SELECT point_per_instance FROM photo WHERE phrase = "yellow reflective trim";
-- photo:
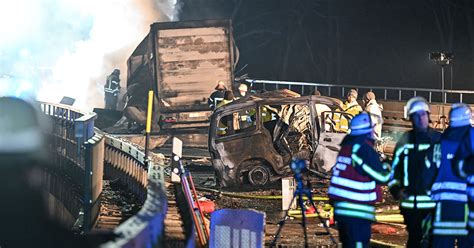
(381, 177)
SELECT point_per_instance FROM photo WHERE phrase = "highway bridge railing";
(82, 156)
(76, 173)
(382, 93)
(126, 162)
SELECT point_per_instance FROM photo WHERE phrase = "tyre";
(259, 175)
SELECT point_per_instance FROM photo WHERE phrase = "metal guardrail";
(77, 153)
(384, 93)
(127, 162)
(80, 152)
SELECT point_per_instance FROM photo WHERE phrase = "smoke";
(58, 48)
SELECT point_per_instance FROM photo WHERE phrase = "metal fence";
(77, 152)
(383, 93)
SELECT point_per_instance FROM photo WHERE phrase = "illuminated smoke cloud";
(68, 47)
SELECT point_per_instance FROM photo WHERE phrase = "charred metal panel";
(190, 61)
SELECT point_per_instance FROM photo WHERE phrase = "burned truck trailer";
(182, 63)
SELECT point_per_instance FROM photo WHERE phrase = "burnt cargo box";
(182, 62)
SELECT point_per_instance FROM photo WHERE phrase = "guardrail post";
(84, 130)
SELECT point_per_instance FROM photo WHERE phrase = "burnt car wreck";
(252, 140)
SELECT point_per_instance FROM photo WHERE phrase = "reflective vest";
(354, 194)
(449, 192)
(342, 123)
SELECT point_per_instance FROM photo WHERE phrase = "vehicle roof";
(284, 96)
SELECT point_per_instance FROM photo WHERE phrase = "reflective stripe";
(355, 206)
(471, 215)
(427, 163)
(461, 169)
(405, 170)
(359, 245)
(357, 214)
(363, 197)
(353, 184)
(343, 159)
(397, 156)
(340, 166)
(422, 147)
(419, 198)
(381, 177)
(355, 148)
(393, 182)
(449, 185)
(449, 196)
(450, 231)
(357, 159)
(449, 224)
(409, 146)
(420, 205)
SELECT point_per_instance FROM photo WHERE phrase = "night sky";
(361, 42)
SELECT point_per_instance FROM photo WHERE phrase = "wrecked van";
(252, 140)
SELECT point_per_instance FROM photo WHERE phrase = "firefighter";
(375, 111)
(448, 190)
(464, 157)
(223, 124)
(243, 88)
(408, 162)
(355, 183)
(350, 106)
(217, 96)
(112, 89)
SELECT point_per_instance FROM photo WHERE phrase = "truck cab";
(253, 140)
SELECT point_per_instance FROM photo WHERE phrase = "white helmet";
(416, 104)
(361, 124)
(460, 115)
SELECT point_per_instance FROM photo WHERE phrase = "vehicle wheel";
(259, 175)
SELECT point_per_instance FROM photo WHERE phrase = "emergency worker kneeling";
(355, 183)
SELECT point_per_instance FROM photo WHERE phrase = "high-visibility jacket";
(407, 166)
(464, 166)
(448, 189)
(342, 122)
(354, 186)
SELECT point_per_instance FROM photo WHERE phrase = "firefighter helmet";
(361, 124)
(460, 115)
(416, 104)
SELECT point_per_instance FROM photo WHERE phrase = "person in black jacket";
(112, 90)
(408, 162)
(217, 96)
